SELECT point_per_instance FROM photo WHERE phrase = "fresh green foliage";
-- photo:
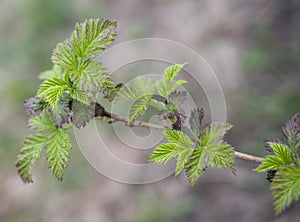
(179, 145)
(76, 54)
(210, 149)
(286, 187)
(58, 152)
(139, 107)
(74, 76)
(284, 161)
(280, 159)
(52, 89)
(79, 95)
(166, 85)
(29, 154)
(66, 98)
(140, 93)
(55, 141)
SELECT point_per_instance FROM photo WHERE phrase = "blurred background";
(254, 49)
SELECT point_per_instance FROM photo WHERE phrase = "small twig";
(245, 156)
(100, 111)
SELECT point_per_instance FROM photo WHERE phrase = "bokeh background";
(253, 47)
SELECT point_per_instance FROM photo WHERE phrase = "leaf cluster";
(142, 93)
(55, 142)
(65, 96)
(208, 148)
(285, 162)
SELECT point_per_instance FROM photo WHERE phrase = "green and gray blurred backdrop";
(254, 49)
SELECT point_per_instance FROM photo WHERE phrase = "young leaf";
(286, 187)
(79, 95)
(194, 166)
(195, 121)
(180, 145)
(215, 132)
(42, 123)
(182, 159)
(127, 92)
(82, 113)
(163, 153)
(267, 146)
(220, 154)
(141, 86)
(139, 107)
(90, 76)
(58, 152)
(165, 86)
(177, 137)
(29, 154)
(34, 106)
(52, 89)
(171, 72)
(281, 158)
(90, 38)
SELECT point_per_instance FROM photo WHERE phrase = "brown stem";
(245, 156)
(100, 111)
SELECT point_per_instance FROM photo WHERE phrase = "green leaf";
(29, 154)
(55, 72)
(171, 72)
(89, 38)
(127, 92)
(80, 95)
(64, 56)
(177, 84)
(42, 123)
(82, 113)
(194, 166)
(270, 163)
(281, 158)
(52, 89)
(91, 76)
(165, 86)
(182, 159)
(139, 107)
(163, 153)
(177, 137)
(141, 87)
(58, 152)
(286, 187)
(215, 132)
(180, 146)
(92, 36)
(282, 151)
(220, 155)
